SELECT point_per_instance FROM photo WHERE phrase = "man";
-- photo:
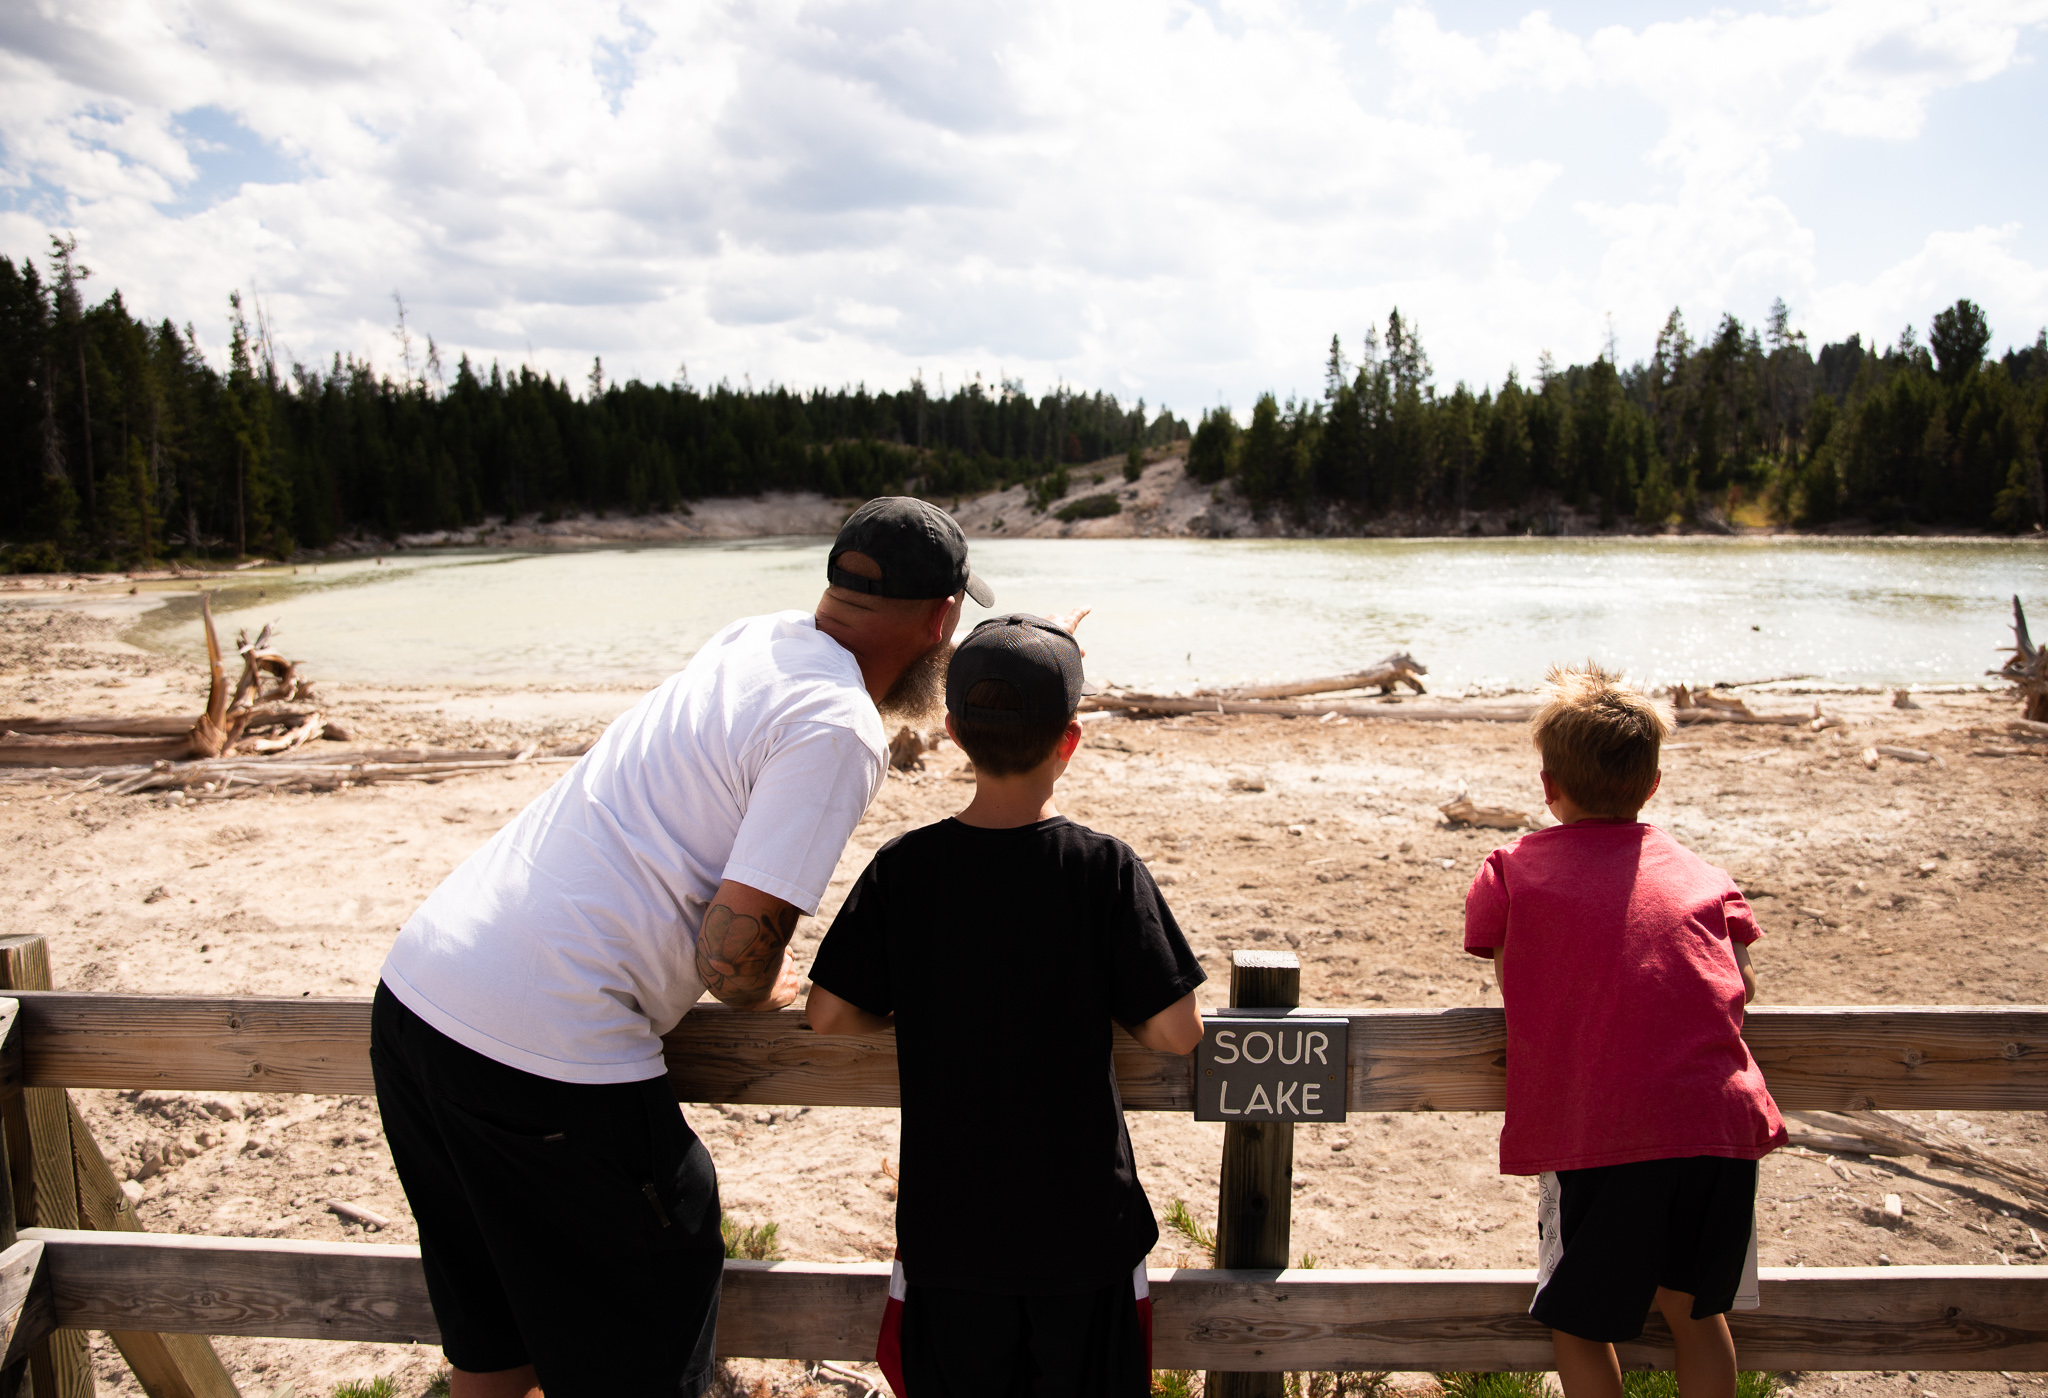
(568, 1216)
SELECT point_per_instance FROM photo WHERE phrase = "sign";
(1271, 1068)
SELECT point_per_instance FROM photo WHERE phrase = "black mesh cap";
(920, 548)
(1036, 658)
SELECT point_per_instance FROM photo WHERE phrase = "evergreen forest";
(1736, 427)
(120, 443)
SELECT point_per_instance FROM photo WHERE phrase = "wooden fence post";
(1255, 1202)
(45, 1189)
(61, 1180)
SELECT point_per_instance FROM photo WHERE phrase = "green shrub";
(1090, 507)
(1176, 1383)
(379, 1387)
(756, 1243)
(1046, 489)
(40, 557)
(1134, 462)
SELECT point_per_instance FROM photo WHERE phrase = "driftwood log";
(1463, 811)
(2027, 669)
(1397, 669)
(1705, 706)
(1344, 708)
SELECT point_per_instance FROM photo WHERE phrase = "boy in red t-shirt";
(1624, 967)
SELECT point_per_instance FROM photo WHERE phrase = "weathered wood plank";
(1812, 1318)
(1829, 1058)
(25, 1315)
(197, 1043)
(178, 1283)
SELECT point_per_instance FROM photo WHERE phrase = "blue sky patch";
(227, 155)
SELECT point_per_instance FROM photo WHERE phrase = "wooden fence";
(78, 1262)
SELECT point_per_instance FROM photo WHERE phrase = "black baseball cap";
(920, 548)
(1037, 658)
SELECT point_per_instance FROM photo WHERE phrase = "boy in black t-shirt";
(1000, 944)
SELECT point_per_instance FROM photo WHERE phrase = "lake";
(1483, 615)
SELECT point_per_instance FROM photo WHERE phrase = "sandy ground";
(1913, 884)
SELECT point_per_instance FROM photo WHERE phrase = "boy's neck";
(1006, 803)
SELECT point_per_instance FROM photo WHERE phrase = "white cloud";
(1152, 196)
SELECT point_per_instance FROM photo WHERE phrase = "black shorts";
(570, 1226)
(981, 1344)
(1680, 1224)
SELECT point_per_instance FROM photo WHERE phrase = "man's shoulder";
(781, 669)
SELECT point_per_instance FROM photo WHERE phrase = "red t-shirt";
(1624, 1002)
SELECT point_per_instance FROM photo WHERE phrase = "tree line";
(1734, 426)
(121, 443)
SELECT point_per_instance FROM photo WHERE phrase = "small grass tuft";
(1348, 1383)
(1188, 1226)
(1492, 1385)
(1662, 1383)
(1176, 1383)
(379, 1387)
(756, 1243)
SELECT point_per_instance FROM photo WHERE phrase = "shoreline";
(1163, 503)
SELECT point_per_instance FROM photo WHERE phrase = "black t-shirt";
(1004, 955)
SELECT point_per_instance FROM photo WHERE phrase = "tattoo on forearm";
(738, 956)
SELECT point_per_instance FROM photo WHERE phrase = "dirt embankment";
(1910, 884)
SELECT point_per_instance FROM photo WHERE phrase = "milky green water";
(1171, 614)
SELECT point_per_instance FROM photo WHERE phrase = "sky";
(1173, 199)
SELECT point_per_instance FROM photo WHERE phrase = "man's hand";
(828, 1014)
(1068, 621)
(742, 951)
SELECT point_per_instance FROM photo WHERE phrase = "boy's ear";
(1069, 741)
(950, 733)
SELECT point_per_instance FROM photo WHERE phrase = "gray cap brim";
(978, 590)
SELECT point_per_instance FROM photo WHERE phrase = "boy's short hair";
(1599, 739)
(1005, 749)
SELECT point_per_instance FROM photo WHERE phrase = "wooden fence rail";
(160, 1292)
(1835, 1059)
(1243, 1321)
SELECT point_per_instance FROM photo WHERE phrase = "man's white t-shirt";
(565, 946)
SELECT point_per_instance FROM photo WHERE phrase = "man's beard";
(918, 697)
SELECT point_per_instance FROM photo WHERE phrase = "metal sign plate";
(1271, 1068)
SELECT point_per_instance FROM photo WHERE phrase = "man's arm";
(743, 948)
(829, 1014)
(1748, 976)
(1175, 1029)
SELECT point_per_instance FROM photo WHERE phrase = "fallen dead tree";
(1879, 1134)
(2027, 669)
(1175, 704)
(255, 716)
(1704, 706)
(228, 778)
(1397, 669)
(221, 778)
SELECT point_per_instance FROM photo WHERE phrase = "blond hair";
(1599, 739)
